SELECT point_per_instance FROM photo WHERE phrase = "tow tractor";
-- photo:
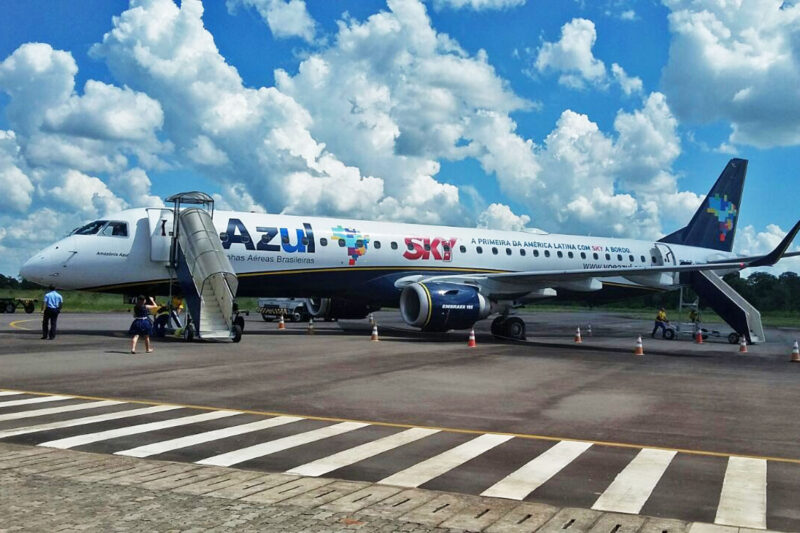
(10, 305)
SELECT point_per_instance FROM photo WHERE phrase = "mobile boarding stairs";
(203, 271)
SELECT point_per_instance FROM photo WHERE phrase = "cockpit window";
(91, 228)
(115, 229)
(105, 228)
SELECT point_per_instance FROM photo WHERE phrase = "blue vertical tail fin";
(714, 223)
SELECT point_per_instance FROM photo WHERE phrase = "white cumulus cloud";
(739, 63)
(500, 216)
(285, 18)
(477, 5)
(572, 57)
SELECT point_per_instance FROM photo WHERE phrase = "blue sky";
(609, 118)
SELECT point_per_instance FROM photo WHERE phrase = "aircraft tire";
(514, 327)
(237, 333)
(497, 326)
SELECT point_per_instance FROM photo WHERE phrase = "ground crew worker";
(661, 322)
(694, 316)
(51, 307)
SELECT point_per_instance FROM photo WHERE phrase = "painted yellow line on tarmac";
(438, 428)
(16, 324)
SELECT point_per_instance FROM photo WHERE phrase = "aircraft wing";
(548, 278)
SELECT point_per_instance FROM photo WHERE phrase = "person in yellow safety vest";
(694, 316)
(161, 320)
(661, 322)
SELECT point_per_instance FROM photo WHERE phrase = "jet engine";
(335, 308)
(442, 306)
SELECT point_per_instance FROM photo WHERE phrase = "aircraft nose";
(41, 268)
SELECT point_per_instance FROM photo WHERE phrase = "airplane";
(441, 278)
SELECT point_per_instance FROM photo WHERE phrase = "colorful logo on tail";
(355, 242)
(725, 212)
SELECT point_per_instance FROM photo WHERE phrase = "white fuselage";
(313, 256)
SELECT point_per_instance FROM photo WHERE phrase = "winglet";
(775, 255)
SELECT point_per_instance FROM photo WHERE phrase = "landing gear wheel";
(497, 326)
(237, 333)
(733, 338)
(668, 334)
(514, 327)
(188, 333)
(29, 308)
(239, 321)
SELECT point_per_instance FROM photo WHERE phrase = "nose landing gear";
(509, 327)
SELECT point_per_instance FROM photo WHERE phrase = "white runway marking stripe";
(517, 485)
(273, 446)
(359, 453)
(436, 466)
(27, 401)
(10, 393)
(88, 438)
(55, 410)
(632, 487)
(207, 436)
(743, 501)
(86, 420)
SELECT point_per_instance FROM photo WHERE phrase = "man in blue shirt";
(51, 307)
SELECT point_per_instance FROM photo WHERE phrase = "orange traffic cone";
(281, 323)
(742, 344)
(795, 353)
(578, 339)
(588, 330)
(698, 337)
(374, 336)
(639, 350)
(471, 342)
(310, 329)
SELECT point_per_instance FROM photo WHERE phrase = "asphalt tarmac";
(693, 432)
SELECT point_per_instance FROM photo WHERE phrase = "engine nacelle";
(330, 308)
(442, 306)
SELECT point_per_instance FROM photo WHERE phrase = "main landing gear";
(509, 327)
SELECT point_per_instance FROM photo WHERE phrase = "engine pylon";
(639, 349)
(578, 339)
(281, 323)
(471, 342)
(795, 353)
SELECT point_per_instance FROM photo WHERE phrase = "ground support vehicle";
(292, 309)
(689, 330)
(10, 305)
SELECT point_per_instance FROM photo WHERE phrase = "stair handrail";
(206, 259)
(749, 309)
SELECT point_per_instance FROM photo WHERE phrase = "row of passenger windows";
(463, 249)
